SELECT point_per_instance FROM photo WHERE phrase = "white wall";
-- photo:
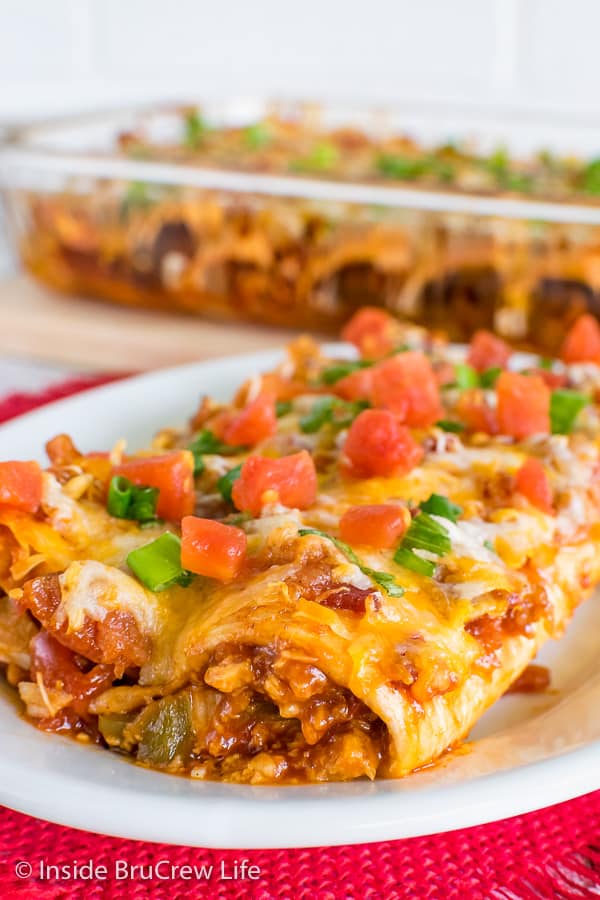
(537, 57)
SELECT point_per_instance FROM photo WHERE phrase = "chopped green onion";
(401, 167)
(519, 181)
(489, 546)
(565, 406)
(465, 376)
(136, 197)
(319, 415)
(383, 579)
(283, 407)
(546, 363)
(489, 378)
(424, 533)
(158, 564)
(208, 443)
(120, 490)
(443, 170)
(409, 560)
(225, 482)
(131, 501)
(195, 129)
(331, 411)
(591, 177)
(143, 504)
(323, 156)
(450, 425)
(438, 505)
(257, 135)
(498, 163)
(345, 367)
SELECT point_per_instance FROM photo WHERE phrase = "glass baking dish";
(117, 206)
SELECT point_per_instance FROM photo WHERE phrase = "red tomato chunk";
(532, 482)
(355, 386)
(407, 385)
(255, 423)
(378, 525)
(173, 475)
(523, 405)
(21, 485)
(211, 548)
(582, 343)
(289, 480)
(488, 351)
(378, 444)
(372, 331)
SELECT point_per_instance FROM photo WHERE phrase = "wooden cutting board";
(89, 334)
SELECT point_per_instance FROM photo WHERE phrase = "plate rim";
(157, 815)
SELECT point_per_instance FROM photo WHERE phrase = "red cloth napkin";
(554, 853)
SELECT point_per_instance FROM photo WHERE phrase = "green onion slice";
(438, 505)
(427, 534)
(283, 407)
(565, 406)
(208, 443)
(195, 129)
(158, 564)
(383, 579)
(119, 496)
(465, 376)
(331, 411)
(409, 560)
(345, 367)
(257, 135)
(143, 504)
(450, 425)
(226, 482)
(489, 378)
(131, 501)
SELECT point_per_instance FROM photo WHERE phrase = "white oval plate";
(527, 752)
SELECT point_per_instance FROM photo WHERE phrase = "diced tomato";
(371, 330)
(406, 384)
(523, 405)
(554, 380)
(445, 373)
(380, 525)
(475, 413)
(487, 351)
(58, 668)
(255, 423)
(289, 480)
(21, 485)
(355, 386)
(532, 482)
(211, 548)
(378, 444)
(173, 475)
(582, 343)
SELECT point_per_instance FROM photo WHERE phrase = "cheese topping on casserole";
(330, 577)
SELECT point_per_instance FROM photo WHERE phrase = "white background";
(535, 56)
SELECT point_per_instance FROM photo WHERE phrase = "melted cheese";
(90, 590)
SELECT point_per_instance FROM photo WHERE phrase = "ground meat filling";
(258, 715)
(520, 618)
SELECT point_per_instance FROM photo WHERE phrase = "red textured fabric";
(554, 853)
